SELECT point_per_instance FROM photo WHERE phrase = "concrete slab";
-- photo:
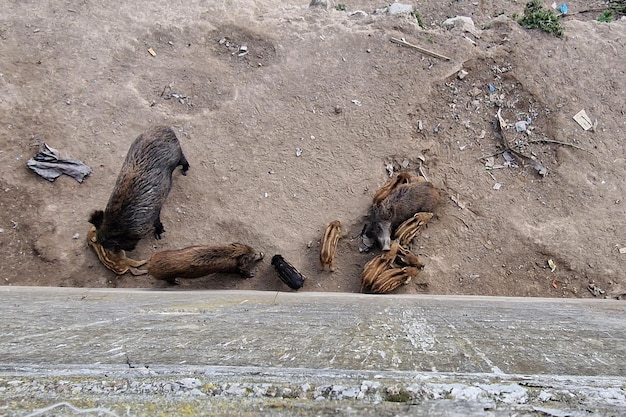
(247, 350)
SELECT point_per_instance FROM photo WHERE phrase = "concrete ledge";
(245, 352)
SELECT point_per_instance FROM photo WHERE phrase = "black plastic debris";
(48, 164)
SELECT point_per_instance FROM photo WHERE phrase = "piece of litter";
(583, 120)
(563, 8)
(151, 52)
(497, 186)
(492, 88)
(555, 284)
(266, 195)
(298, 151)
(521, 126)
(405, 164)
(357, 102)
(389, 169)
(595, 290)
(76, 235)
(552, 265)
(462, 74)
(48, 164)
(622, 250)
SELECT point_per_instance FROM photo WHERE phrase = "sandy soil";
(78, 76)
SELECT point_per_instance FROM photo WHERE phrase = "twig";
(422, 50)
(555, 142)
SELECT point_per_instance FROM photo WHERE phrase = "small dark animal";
(288, 273)
(134, 207)
(403, 202)
(198, 261)
(328, 247)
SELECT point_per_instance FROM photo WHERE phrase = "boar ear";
(96, 218)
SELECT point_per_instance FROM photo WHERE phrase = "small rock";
(464, 23)
(399, 8)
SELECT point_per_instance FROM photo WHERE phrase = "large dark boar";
(198, 261)
(403, 202)
(134, 208)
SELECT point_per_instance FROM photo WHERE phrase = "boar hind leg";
(184, 163)
(158, 228)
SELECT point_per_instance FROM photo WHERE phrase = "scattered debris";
(595, 290)
(552, 265)
(356, 102)
(521, 126)
(151, 52)
(584, 120)
(497, 186)
(500, 126)
(462, 74)
(167, 94)
(422, 50)
(49, 165)
(389, 169)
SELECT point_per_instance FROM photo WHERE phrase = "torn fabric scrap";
(49, 165)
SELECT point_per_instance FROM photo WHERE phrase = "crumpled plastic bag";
(49, 164)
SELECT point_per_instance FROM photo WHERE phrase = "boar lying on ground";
(400, 205)
(328, 247)
(198, 261)
(115, 261)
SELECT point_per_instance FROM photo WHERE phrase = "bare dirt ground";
(78, 76)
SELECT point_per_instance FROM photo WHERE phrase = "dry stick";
(422, 50)
(555, 142)
(534, 141)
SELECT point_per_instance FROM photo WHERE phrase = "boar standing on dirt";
(134, 208)
(199, 261)
(403, 202)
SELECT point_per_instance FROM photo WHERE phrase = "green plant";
(606, 16)
(618, 6)
(537, 17)
(418, 16)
